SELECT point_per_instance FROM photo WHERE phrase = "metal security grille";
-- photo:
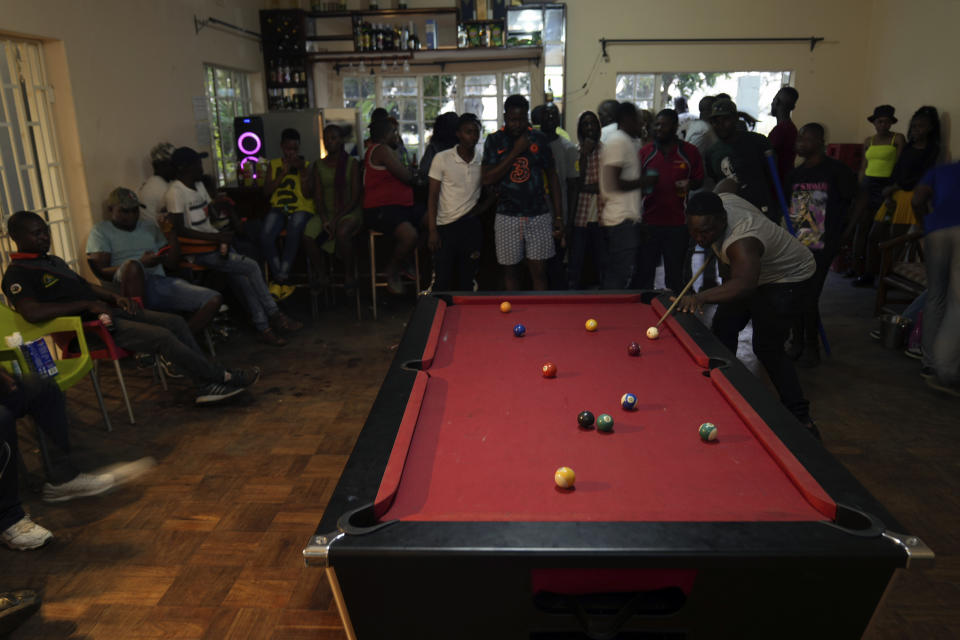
(31, 174)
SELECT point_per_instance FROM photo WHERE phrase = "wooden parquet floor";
(208, 544)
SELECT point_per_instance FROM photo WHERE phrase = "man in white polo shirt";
(620, 184)
(455, 231)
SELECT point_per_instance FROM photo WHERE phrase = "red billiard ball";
(633, 349)
(549, 370)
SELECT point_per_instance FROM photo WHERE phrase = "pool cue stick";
(684, 290)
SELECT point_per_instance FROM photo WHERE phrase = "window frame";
(225, 160)
(425, 128)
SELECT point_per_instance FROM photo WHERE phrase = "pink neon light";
(256, 138)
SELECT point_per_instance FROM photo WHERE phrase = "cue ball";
(653, 333)
(591, 325)
(585, 419)
(505, 307)
(708, 432)
(633, 349)
(549, 370)
(628, 401)
(519, 330)
(564, 477)
(605, 422)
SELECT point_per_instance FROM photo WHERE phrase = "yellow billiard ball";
(505, 307)
(565, 477)
(591, 325)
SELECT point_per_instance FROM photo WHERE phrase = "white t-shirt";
(784, 258)
(620, 150)
(153, 194)
(460, 184)
(192, 203)
(606, 130)
(565, 156)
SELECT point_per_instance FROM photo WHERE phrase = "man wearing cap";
(154, 190)
(740, 155)
(770, 273)
(42, 287)
(187, 201)
(132, 252)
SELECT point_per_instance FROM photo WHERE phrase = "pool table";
(447, 522)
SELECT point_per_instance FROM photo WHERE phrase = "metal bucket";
(894, 331)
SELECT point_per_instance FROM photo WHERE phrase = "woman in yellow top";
(289, 186)
(336, 179)
(880, 153)
(896, 216)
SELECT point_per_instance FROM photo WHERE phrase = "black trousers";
(669, 243)
(458, 259)
(774, 310)
(45, 403)
(806, 329)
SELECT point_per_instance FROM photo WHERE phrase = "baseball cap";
(124, 199)
(723, 107)
(162, 152)
(185, 155)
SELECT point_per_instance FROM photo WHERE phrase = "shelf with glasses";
(384, 13)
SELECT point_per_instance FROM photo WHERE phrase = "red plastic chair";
(110, 351)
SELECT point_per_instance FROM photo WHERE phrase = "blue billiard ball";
(628, 401)
(519, 330)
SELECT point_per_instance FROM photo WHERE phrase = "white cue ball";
(653, 333)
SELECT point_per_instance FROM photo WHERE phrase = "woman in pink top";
(388, 198)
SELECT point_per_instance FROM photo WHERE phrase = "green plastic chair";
(69, 371)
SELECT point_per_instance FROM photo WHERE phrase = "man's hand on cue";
(690, 304)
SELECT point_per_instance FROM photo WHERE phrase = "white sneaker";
(82, 486)
(26, 534)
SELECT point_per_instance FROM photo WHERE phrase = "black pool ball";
(585, 419)
(633, 349)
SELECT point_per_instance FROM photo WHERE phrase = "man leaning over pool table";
(769, 273)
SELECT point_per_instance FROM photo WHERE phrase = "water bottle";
(15, 341)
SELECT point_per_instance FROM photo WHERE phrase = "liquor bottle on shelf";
(413, 43)
(404, 38)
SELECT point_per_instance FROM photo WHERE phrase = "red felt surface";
(491, 430)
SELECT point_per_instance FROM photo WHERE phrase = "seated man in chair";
(42, 287)
(132, 252)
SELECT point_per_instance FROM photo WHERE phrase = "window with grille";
(31, 173)
(416, 100)
(228, 96)
(753, 91)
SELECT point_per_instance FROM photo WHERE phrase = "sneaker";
(284, 322)
(276, 290)
(915, 352)
(927, 373)
(15, 608)
(875, 334)
(267, 336)
(168, 369)
(145, 360)
(217, 392)
(82, 486)
(244, 377)
(934, 383)
(395, 285)
(25, 534)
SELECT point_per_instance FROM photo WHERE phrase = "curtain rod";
(199, 24)
(813, 40)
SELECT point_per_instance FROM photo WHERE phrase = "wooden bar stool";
(380, 279)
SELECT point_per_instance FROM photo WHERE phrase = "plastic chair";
(71, 369)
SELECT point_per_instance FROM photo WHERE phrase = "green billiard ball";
(605, 422)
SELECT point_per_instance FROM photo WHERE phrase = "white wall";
(125, 73)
